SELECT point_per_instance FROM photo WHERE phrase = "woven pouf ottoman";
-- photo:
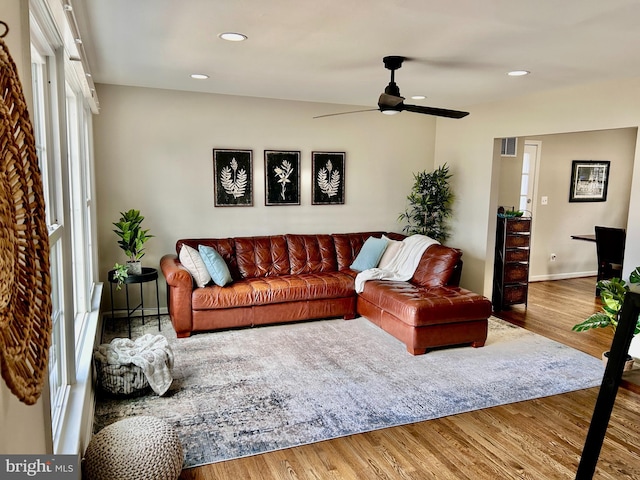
(136, 448)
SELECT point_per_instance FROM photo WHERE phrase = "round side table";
(148, 275)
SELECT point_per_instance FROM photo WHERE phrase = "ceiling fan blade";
(346, 113)
(438, 112)
(387, 100)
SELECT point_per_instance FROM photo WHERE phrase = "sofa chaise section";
(428, 311)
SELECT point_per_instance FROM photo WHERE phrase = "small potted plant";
(132, 238)
(120, 273)
(612, 293)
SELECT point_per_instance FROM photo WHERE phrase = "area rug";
(242, 392)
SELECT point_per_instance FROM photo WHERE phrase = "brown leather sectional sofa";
(284, 278)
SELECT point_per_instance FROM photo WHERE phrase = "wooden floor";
(536, 440)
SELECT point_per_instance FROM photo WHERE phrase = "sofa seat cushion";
(275, 289)
(420, 306)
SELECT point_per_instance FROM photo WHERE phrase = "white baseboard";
(561, 276)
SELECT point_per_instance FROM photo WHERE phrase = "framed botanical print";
(232, 178)
(328, 182)
(281, 177)
(589, 180)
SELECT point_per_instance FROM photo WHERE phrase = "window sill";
(76, 425)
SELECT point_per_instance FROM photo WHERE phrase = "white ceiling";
(331, 50)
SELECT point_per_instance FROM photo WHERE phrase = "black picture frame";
(281, 177)
(232, 177)
(328, 178)
(589, 180)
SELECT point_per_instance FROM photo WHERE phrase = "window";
(509, 147)
(62, 129)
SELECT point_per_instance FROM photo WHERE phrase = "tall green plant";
(430, 203)
(132, 236)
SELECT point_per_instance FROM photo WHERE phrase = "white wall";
(153, 151)
(467, 145)
(23, 429)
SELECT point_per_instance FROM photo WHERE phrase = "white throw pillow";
(192, 261)
(393, 248)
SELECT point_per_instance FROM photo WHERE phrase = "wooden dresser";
(511, 265)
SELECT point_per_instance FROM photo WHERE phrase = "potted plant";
(120, 273)
(430, 203)
(132, 238)
(612, 293)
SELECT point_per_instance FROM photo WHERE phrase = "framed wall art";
(281, 177)
(233, 178)
(589, 180)
(328, 182)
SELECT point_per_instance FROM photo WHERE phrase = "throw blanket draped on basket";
(151, 353)
(402, 266)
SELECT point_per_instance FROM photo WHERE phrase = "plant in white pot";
(132, 238)
(612, 293)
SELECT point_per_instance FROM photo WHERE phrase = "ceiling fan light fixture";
(233, 36)
(390, 112)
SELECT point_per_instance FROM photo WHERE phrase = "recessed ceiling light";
(199, 76)
(518, 73)
(232, 36)
(418, 97)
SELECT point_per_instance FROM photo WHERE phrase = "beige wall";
(468, 145)
(23, 429)
(153, 151)
(510, 169)
(555, 222)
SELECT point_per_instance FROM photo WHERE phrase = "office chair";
(610, 251)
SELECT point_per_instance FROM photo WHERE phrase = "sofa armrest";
(179, 290)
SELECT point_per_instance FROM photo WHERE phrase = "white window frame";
(62, 123)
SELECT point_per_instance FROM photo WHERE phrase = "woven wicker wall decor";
(25, 288)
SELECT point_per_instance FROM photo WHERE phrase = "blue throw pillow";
(216, 265)
(370, 254)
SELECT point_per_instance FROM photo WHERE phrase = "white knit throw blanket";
(402, 266)
(151, 353)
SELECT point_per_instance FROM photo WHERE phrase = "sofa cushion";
(226, 247)
(311, 254)
(419, 306)
(216, 265)
(393, 248)
(274, 289)
(262, 256)
(192, 261)
(370, 254)
(436, 266)
(348, 246)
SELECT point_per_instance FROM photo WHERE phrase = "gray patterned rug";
(243, 392)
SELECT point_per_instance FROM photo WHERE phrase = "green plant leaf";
(597, 320)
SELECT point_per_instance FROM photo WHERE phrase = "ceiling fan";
(390, 101)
